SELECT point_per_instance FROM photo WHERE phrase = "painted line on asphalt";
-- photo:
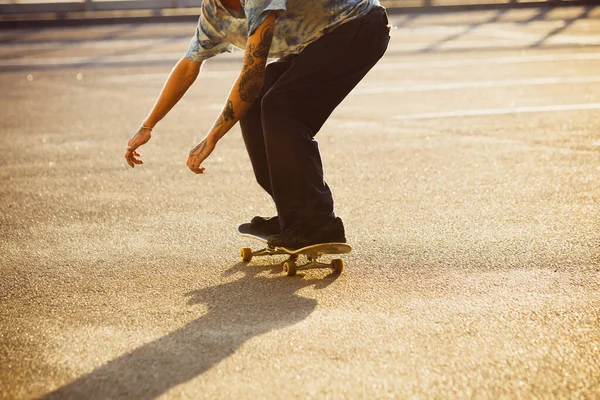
(164, 76)
(497, 44)
(137, 77)
(433, 87)
(510, 31)
(54, 61)
(499, 111)
(483, 40)
(466, 62)
(533, 37)
(94, 44)
(424, 26)
(403, 40)
(385, 66)
(409, 65)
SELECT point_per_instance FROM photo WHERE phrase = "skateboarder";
(323, 49)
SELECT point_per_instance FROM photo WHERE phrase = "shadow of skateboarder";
(237, 311)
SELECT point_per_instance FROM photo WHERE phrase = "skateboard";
(291, 265)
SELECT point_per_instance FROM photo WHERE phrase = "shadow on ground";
(237, 311)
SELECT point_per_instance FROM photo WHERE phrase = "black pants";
(298, 95)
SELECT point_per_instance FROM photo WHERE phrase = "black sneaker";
(265, 226)
(297, 238)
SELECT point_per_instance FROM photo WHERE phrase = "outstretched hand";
(141, 137)
(199, 153)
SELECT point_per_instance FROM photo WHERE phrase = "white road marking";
(533, 37)
(474, 84)
(95, 44)
(384, 66)
(456, 63)
(422, 26)
(485, 38)
(466, 62)
(456, 45)
(42, 61)
(136, 77)
(499, 111)
(403, 40)
(500, 31)
(163, 76)
(408, 65)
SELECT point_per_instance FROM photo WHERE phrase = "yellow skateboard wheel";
(289, 267)
(246, 254)
(337, 265)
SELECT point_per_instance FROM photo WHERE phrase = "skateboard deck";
(291, 266)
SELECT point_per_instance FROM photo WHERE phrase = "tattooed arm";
(243, 93)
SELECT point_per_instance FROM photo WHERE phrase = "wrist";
(213, 137)
(148, 124)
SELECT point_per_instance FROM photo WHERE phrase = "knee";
(280, 116)
(277, 107)
(274, 117)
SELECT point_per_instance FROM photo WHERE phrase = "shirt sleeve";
(209, 38)
(257, 10)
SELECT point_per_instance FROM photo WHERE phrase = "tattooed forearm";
(227, 115)
(199, 148)
(249, 56)
(245, 90)
(250, 83)
(254, 66)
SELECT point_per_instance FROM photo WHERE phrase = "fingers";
(193, 163)
(130, 157)
(199, 170)
(141, 137)
(196, 169)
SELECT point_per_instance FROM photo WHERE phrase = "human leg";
(252, 132)
(252, 129)
(297, 105)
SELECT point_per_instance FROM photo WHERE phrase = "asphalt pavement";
(466, 167)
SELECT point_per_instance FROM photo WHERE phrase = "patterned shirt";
(299, 23)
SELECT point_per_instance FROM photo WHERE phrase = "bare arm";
(181, 78)
(243, 93)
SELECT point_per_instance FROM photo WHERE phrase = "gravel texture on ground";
(474, 220)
